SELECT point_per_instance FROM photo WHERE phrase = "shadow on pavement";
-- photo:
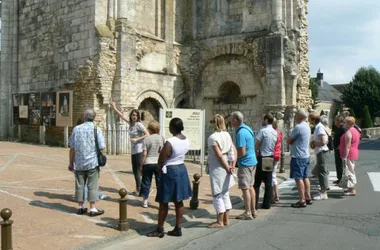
(66, 197)
(54, 206)
(108, 189)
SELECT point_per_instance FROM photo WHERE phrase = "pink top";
(277, 147)
(354, 150)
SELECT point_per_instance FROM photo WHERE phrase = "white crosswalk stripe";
(375, 180)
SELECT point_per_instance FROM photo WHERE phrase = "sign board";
(193, 122)
(194, 127)
(64, 109)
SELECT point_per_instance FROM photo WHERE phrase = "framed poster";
(34, 109)
(64, 108)
(48, 108)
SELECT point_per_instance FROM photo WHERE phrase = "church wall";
(55, 38)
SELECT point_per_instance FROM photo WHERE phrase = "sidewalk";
(36, 185)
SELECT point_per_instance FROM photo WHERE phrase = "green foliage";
(367, 121)
(363, 90)
(313, 86)
(352, 113)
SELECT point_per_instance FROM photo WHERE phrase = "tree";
(313, 86)
(367, 120)
(363, 90)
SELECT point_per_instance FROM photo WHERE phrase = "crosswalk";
(289, 186)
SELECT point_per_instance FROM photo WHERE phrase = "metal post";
(6, 229)
(194, 202)
(282, 168)
(123, 221)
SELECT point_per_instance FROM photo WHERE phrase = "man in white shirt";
(265, 142)
(319, 143)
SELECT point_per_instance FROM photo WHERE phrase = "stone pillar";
(275, 86)
(9, 64)
(169, 33)
(277, 21)
(123, 8)
(111, 9)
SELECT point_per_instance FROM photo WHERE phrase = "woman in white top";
(174, 185)
(137, 133)
(221, 162)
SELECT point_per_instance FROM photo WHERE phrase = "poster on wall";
(26, 108)
(64, 109)
(48, 108)
(34, 109)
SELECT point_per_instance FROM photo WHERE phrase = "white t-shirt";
(320, 130)
(268, 139)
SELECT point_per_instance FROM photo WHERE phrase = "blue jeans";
(147, 175)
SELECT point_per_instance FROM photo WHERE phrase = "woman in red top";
(349, 152)
(276, 156)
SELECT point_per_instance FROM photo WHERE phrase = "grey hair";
(238, 116)
(302, 112)
(89, 115)
(324, 120)
(339, 118)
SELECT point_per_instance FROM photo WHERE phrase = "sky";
(344, 35)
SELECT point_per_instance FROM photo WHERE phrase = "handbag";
(346, 181)
(267, 164)
(102, 159)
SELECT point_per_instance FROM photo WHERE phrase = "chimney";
(320, 78)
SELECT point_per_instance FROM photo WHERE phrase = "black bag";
(330, 143)
(102, 159)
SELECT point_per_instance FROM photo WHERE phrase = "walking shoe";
(320, 196)
(96, 213)
(103, 197)
(82, 211)
(244, 216)
(145, 203)
(254, 213)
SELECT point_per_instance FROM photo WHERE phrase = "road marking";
(44, 179)
(375, 180)
(147, 218)
(95, 237)
(9, 162)
(34, 188)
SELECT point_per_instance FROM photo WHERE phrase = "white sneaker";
(145, 203)
(103, 197)
(320, 196)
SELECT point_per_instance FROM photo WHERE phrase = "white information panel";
(194, 126)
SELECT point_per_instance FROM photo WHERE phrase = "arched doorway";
(229, 93)
(150, 110)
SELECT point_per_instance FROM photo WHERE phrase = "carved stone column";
(277, 25)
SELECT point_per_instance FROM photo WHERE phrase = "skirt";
(174, 186)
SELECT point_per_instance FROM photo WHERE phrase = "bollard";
(194, 202)
(6, 229)
(123, 221)
(282, 168)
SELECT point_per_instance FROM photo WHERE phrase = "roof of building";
(328, 93)
(340, 87)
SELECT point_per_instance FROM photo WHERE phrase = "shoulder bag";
(102, 159)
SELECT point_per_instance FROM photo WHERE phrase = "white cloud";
(343, 37)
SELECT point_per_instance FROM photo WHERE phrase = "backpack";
(330, 144)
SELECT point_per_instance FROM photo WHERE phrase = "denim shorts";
(299, 168)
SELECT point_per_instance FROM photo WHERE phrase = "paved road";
(338, 223)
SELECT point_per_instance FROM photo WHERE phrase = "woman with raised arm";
(137, 133)
(174, 185)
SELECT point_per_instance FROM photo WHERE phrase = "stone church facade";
(217, 55)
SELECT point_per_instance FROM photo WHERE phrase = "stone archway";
(150, 110)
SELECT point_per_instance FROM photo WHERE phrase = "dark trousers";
(136, 161)
(266, 177)
(338, 164)
(146, 183)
